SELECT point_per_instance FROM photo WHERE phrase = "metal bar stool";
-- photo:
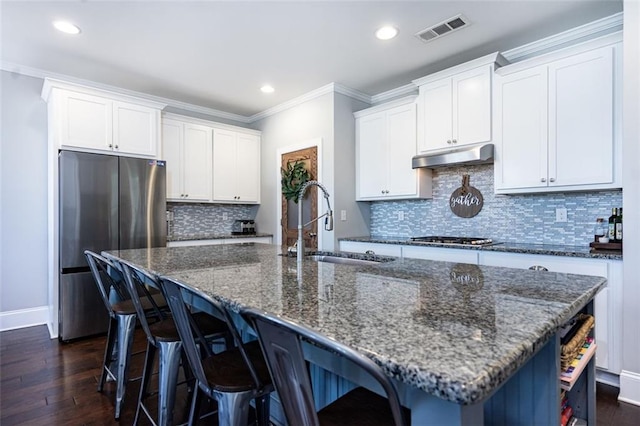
(122, 322)
(233, 377)
(162, 337)
(281, 343)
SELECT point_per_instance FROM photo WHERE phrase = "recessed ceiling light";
(66, 27)
(267, 89)
(387, 33)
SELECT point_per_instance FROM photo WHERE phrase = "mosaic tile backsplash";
(217, 219)
(527, 218)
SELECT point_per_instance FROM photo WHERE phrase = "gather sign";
(466, 201)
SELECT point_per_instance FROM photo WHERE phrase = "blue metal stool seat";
(232, 378)
(122, 322)
(163, 339)
(281, 344)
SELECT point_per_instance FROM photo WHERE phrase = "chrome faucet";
(328, 222)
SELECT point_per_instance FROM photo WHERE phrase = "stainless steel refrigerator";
(106, 203)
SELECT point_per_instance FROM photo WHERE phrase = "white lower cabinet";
(219, 241)
(441, 254)
(608, 320)
(608, 317)
(371, 248)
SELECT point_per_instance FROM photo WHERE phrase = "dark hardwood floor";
(45, 382)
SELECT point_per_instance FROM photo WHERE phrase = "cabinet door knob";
(186, 195)
(116, 147)
(552, 180)
(543, 180)
(449, 141)
(110, 145)
(454, 141)
(382, 192)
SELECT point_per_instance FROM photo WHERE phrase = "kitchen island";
(466, 344)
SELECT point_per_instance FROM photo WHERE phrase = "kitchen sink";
(344, 260)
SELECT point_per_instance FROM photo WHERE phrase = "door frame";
(317, 143)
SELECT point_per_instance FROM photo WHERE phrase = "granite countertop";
(543, 249)
(455, 331)
(212, 236)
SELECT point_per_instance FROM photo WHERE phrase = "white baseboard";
(22, 318)
(629, 387)
(607, 378)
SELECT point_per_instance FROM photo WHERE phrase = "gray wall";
(357, 222)
(23, 193)
(309, 120)
(329, 117)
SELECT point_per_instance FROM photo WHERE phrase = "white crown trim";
(406, 90)
(605, 25)
(328, 88)
(38, 73)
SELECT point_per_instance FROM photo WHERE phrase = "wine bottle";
(612, 224)
(618, 225)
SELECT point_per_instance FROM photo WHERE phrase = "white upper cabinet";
(236, 167)
(187, 147)
(556, 124)
(135, 129)
(454, 106)
(385, 145)
(210, 162)
(98, 121)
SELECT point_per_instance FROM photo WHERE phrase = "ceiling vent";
(445, 27)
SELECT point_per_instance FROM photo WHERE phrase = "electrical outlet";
(225, 216)
(400, 214)
(343, 215)
(561, 214)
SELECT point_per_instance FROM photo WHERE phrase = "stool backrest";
(108, 278)
(174, 293)
(134, 278)
(281, 344)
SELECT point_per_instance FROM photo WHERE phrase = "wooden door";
(309, 203)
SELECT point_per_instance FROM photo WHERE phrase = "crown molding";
(328, 88)
(406, 90)
(590, 30)
(38, 73)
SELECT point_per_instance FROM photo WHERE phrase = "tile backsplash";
(527, 218)
(210, 219)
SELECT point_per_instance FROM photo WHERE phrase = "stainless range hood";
(478, 154)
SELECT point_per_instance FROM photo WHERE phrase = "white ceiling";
(218, 54)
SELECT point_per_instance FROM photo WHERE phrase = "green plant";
(293, 177)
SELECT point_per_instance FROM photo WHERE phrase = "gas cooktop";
(457, 241)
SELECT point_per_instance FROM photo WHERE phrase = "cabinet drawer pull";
(538, 268)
